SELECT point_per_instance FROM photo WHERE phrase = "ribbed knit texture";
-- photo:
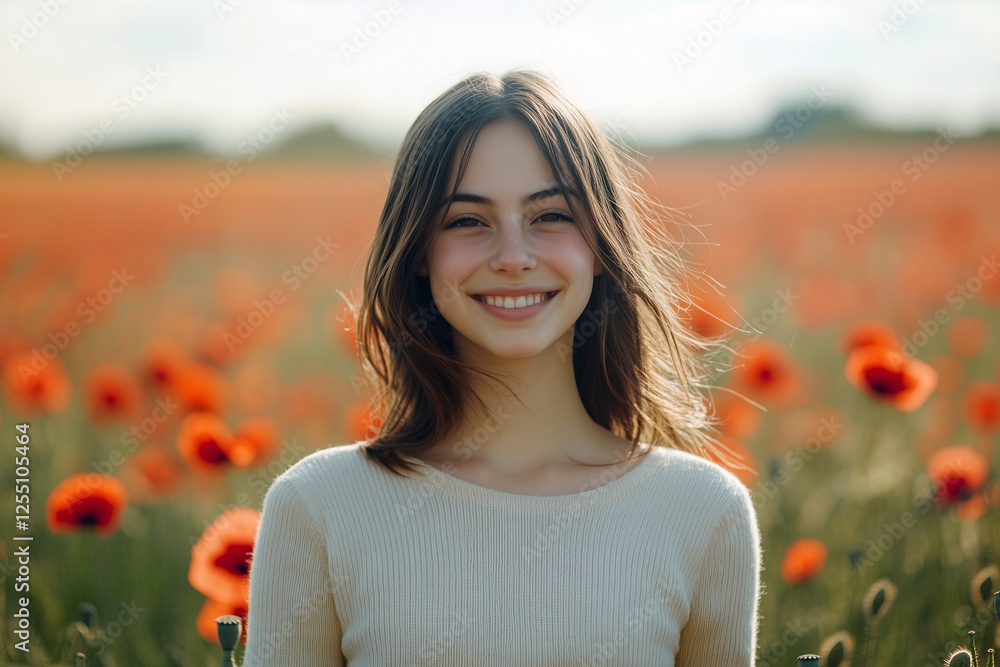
(356, 566)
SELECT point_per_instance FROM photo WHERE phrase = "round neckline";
(454, 486)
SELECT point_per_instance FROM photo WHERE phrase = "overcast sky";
(667, 70)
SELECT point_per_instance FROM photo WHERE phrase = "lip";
(516, 291)
(515, 314)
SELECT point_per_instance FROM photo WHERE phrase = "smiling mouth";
(499, 301)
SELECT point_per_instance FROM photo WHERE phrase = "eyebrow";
(486, 201)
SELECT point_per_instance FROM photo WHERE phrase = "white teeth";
(511, 302)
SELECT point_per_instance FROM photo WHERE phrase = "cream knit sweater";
(355, 566)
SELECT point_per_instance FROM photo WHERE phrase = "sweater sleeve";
(291, 615)
(721, 630)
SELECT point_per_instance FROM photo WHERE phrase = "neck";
(547, 425)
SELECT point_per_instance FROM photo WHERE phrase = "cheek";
(572, 257)
(449, 267)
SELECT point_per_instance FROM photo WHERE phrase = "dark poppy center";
(886, 382)
(209, 450)
(955, 488)
(989, 412)
(234, 559)
(87, 512)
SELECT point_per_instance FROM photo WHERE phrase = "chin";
(513, 351)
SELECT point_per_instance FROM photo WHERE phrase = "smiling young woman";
(537, 492)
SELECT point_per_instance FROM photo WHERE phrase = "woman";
(535, 494)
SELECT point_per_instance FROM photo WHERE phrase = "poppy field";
(173, 337)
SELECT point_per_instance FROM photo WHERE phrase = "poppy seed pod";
(960, 658)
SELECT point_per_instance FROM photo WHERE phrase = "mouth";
(518, 301)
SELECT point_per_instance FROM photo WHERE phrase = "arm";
(291, 618)
(722, 628)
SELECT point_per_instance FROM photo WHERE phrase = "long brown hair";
(637, 368)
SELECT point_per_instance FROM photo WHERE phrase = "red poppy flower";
(875, 332)
(222, 345)
(768, 374)
(36, 383)
(971, 509)
(234, 290)
(737, 417)
(809, 427)
(890, 376)
(981, 407)
(709, 314)
(220, 559)
(803, 560)
(307, 399)
(163, 361)
(967, 336)
(206, 444)
(258, 436)
(362, 420)
(211, 610)
(734, 456)
(957, 473)
(150, 474)
(112, 392)
(200, 387)
(344, 327)
(86, 501)
(255, 387)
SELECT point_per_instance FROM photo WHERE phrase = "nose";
(513, 253)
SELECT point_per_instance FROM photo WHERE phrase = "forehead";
(504, 158)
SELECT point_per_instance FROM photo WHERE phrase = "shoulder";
(322, 477)
(705, 487)
(321, 465)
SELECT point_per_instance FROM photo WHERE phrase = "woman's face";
(505, 232)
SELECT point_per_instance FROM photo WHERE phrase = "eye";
(454, 223)
(557, 214)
